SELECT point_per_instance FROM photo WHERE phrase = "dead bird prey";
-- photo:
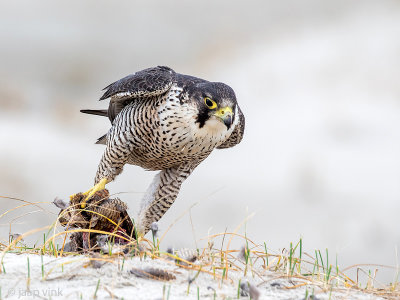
(163, 120)
(100, 213)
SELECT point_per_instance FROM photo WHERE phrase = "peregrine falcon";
(168, 122)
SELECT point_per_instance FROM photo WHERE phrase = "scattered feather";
(312, 297)
(60, 203)
(242, 254)
(171, 251)
(248, 289)
(210, 288)
(101, 240)
(254, 292)
(94, 262)
(244, 289)
(153, 273)
(14, 237)
(154, 228)
(277, 284)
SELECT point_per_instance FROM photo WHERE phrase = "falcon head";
(216, 104)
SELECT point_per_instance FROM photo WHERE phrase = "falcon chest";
(172, 136)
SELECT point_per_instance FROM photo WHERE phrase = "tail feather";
(102, 140)
(98, 112)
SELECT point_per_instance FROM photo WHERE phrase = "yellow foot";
(98, 187)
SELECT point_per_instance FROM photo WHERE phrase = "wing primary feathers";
(97, 112)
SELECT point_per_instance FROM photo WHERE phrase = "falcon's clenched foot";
(166, 121)
(97, 187)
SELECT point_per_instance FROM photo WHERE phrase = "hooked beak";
(225, 114)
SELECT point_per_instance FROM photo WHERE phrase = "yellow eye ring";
(210, 103)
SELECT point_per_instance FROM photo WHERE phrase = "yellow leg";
(98, 187)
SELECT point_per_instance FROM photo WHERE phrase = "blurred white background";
(318, 82)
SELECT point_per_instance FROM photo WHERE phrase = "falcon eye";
(210, 103)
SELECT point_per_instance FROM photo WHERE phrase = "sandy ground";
(78, 279)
